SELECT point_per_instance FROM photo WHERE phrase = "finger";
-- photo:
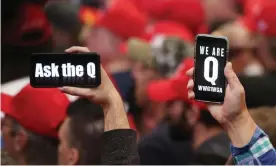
(77, 49)
(190, 72)
(190, 84)
(191, 94)
(82, 92)
(231, 76)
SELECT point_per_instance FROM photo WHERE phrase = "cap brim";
(161, 91)
(6, 103)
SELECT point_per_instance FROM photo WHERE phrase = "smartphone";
(50, 70)
(211, 54)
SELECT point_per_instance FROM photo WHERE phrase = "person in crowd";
(119, 142)
(153, 35)
(249, 143)
(167, 143)
(191, 123)
(263, 24)
(6, 159)
(80, 134)
(242, 48)
(29, 128)
(22, 36)
(150, 63)
(109, 31)
(65, 23)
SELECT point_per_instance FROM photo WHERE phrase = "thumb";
(231, 76)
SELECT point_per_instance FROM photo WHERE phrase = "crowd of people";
(144, 111)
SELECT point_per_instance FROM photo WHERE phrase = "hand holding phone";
(106, 95)
(211, 54)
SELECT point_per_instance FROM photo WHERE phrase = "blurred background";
(142, 44)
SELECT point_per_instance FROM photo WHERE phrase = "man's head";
(172, 91)
(110, 28)
(104, 42)
(30, 124)
(25, 146)
(65, 22)
(80, 134)
(242, 49)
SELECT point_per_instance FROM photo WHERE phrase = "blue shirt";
(124, 82)
(259, 151)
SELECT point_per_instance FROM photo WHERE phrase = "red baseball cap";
(168, 28)
(247, 23)
(123, 19)
(173, 88)
(38, 110)
(32, 19)
(260, 16)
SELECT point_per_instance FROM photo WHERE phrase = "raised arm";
(119, 141)
(250, 145)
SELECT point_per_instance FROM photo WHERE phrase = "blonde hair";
(237, 34)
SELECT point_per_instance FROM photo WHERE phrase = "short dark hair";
(86, 127)
(39, 150)
(207, 119)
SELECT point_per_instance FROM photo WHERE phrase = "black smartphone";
(211, 54)
(49, 70)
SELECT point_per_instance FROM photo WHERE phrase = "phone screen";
(57, 70)
(211, 54)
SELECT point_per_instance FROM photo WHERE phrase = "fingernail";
(230, 65)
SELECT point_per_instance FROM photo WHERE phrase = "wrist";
(237, 120)
(240, 129)
(113, 100)
(114, 112)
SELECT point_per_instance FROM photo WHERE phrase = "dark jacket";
(120, 148)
